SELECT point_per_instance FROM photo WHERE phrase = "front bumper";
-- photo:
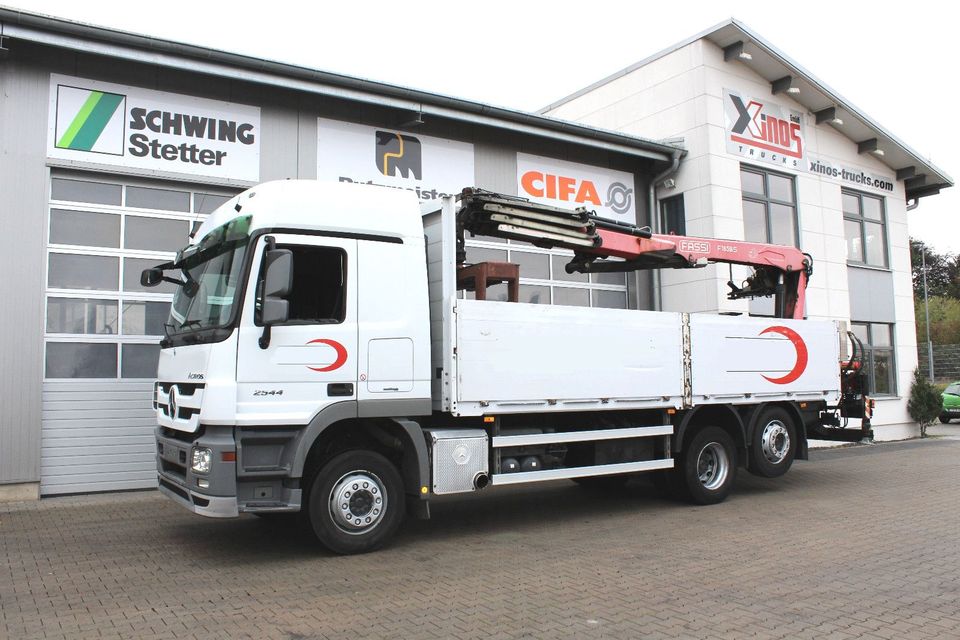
(210, 506)
(249, 472)
(211, 494)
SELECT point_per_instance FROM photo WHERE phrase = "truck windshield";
(210, 275)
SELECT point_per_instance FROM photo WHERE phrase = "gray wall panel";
(279, 138)
(24, 184)
(307, 149)
(871, 295)
(495, 167)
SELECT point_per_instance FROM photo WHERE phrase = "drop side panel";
(516, 357)
(739, 359)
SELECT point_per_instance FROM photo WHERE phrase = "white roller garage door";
(103, 328)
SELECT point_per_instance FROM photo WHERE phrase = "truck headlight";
(201, 460)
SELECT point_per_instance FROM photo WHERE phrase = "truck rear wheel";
(774, 444)
(707, 469)
(356, 502)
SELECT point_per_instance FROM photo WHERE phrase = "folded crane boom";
(603, 245)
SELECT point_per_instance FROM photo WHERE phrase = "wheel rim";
(775, 442)
(358, 502)
(713, 466)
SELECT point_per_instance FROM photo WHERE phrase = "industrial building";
(115, 145)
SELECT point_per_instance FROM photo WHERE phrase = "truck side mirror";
(274, 311)
(277, 285)
(278, 274)
(151, 277)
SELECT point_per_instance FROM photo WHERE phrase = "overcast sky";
(898, 63)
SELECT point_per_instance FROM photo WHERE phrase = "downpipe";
(653, 206)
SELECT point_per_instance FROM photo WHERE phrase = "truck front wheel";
(774, 444)
(356, 502)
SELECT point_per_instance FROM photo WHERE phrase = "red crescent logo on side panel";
(800, 366)
(341, 354)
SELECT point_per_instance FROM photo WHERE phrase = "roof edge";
(831, 94)
(636, 65)
(142, 43)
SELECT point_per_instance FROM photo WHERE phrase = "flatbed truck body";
(324, 358)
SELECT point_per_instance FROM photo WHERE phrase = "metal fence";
(946, 361)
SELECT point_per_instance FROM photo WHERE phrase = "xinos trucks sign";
(102, 123)
(759, 129)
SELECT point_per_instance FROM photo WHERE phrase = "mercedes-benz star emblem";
(173, 401)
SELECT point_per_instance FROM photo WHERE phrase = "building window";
(877, 339)
(672, 216)
(863, 225)
(543, 276)
(100, 323)
(769, 207)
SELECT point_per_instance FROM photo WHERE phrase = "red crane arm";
(779, 271)
(693, 250)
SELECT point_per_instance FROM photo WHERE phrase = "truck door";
(311, 359)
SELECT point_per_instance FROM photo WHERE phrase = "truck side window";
(319, 285)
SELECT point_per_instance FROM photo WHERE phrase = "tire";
(708, 467)
(356, 502)
(774, 444)
(945, 419)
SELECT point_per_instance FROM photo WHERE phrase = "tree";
(943, 271)
(924, 405)
(944, 320)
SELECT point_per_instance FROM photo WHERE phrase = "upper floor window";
(672, 216)
(863, 226)
(769, 207)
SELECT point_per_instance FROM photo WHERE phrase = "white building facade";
(775, 156)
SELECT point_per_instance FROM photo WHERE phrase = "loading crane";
(603, 245)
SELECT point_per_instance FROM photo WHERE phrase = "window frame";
(869, 357)
(117, 295)
(345, 274)
(680, 213)
(765, 199)
(554, 279)
(862, 221)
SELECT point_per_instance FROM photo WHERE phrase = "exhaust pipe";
(481, 481)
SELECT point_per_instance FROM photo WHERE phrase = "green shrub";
(925, 403)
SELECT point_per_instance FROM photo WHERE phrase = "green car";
(951, 403)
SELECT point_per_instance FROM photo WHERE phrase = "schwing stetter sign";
(759, 129)
(98, 122)
(571, 185)
(428, 166)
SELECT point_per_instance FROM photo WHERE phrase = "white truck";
(329, 351)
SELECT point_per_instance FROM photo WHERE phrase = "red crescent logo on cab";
(801, 364)
(341, 354)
